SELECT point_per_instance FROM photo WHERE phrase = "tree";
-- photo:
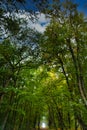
(15, 58)
(43, 74)
(64, 44)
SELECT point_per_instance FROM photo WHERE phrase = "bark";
(50, 117)
(1, 97)
(5, 121)
(69, 121)
(39, 122)
(78, 78)
(60, 116)
(20, 123)
(81, 122)
(76, 127)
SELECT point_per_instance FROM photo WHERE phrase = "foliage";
(43, 74)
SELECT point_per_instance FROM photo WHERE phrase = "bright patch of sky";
(44, 122)
(41, 23)
(43, 125)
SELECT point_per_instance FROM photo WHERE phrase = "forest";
(43, 76)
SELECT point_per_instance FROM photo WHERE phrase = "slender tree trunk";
(39, 122)
(79, 87)
(5, 121)
(60, 116)
(69, 121)
(20, 123)
(79, 82)
(76, 127)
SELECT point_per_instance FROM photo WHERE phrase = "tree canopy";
(43, 75)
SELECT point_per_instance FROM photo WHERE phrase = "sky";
(42, 22)
(82, 5)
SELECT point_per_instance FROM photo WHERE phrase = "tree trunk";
(79, 80)
(39, 122)
(5, 121)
